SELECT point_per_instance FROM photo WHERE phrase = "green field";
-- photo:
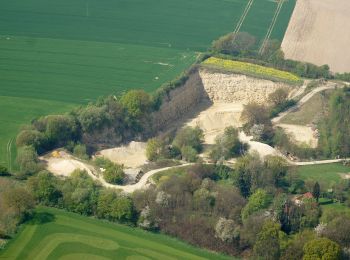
(327, 174)
(57, 234)
(73, 51)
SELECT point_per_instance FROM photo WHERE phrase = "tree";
(189, 154)
(322, 249)
(258, 201)
(31, 138)
(255, 114)
(114, 206)
(60, 129)
(267, 245)
(154, 149)
(226, 230)
(114, 174)
(316, 192)
(189, 136)
(227, 145)
(44, 189)
(27, 159)
(3, 171)
(92, 117)
(136, 102)
(79, 151)
(278, 97)
(20, 200)
(234, 43)
(338, 230)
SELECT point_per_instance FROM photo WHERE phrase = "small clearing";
(301, 134)
(318, 32)
(132, 155)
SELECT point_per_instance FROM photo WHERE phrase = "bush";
(27, 159)
(3, 171)
(79, 151)
(234, 43)
(227, 145)
(189, 136)
(114, 173)
(154, 149)
(189, 154)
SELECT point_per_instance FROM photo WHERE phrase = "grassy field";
(73, 51)
(310, 112)
(57, 234)
(327, 174)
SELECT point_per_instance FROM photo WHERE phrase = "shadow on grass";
(39, 218)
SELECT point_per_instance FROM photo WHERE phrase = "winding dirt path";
(303, 100)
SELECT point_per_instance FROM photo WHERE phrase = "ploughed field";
(56, 234)
(58, 54)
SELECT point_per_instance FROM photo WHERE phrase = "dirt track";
(318, 32)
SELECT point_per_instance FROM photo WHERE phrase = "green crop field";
(72, 51)
(327, 174)
(56, 234)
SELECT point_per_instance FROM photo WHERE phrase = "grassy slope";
(71, 236)
(327, 174)
(75, 51)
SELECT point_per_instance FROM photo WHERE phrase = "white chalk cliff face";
(239, 88)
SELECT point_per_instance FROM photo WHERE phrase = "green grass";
(164, 175)
(58, 234)
(16, 111)
(73, 51)
(327, 174)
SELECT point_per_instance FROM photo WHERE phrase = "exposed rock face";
(204, 85)
(180, 101)
(238, 88)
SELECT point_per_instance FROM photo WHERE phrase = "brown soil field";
(318, 32)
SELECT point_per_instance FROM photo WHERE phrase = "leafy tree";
(92, 117)
(267, 245)
(31, 138)
(44, 189)
(323, 249)
(79, 151)
(20, 200)
(154, 149)
(259, 200)
(276, 169)
(247, 173)
(27, 160)
(316, 191)
(136, 102)
(227, 145)
(294, 249)
(114, 206)
(189, 136)
(338, 230)
(114, 173)
(61, 128)
(79, 193)
(278, 97)
(189, 154)
(3, 171)
(226, 230)
(234, 43)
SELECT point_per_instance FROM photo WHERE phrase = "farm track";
(242, 18)
(272, 26)
(9, 154)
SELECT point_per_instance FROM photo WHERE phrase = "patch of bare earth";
(301, 134)
(318, 32)
(132, 155)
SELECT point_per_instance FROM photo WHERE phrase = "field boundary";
(272, 26)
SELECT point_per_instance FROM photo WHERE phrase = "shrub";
(189, 136)
(189, 154)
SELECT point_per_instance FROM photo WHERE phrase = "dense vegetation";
(255, 210)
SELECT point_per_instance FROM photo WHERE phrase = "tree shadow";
(39, 218)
